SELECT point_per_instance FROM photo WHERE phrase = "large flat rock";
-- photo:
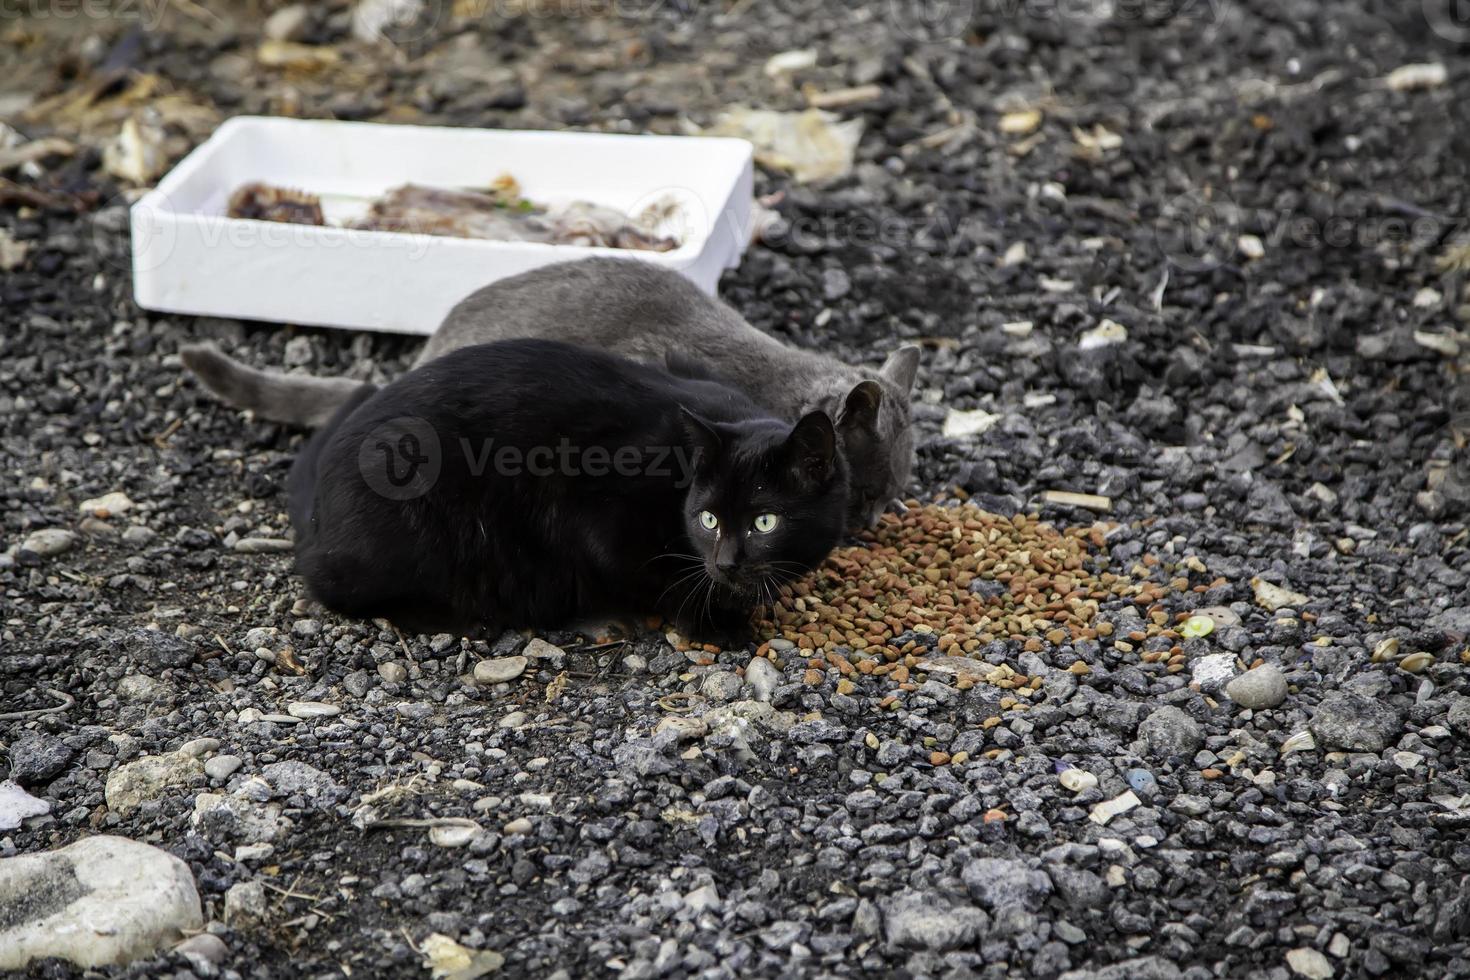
(101, 901)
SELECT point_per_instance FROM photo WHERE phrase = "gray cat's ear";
(901, 366)
(703, 439)
(811, 449)
(861, 408)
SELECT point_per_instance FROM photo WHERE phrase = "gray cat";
(646, 312)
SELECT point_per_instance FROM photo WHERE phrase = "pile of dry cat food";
(497, 214)
(967, 576)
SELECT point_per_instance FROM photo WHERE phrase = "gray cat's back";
(625, 306)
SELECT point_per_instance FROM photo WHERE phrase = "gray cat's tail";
(296, 399)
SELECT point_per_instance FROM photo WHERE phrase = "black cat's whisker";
(674, 584)
(679, 613)
(672, 554)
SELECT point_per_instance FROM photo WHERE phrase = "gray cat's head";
(876, 434)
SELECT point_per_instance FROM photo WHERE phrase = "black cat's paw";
(728, 629)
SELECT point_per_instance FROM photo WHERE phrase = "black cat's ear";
(811, 449)
(901, 367)
(703, 439)
(860, 412)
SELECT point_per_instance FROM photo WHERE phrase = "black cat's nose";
(725, 565)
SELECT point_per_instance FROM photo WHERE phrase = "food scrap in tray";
(499, 214)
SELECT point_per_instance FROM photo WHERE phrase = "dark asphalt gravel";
(1289, 405)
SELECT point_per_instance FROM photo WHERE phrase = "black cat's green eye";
(708, 520)
(766, 523)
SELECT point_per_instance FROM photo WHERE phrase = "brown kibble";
(1042, 585)
(1211, 773)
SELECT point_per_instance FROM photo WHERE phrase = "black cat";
(534, 483)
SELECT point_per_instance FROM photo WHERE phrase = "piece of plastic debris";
(1141, 781)
(16, 805)
(1108, 809)
(841, 98)
(1302, 741)
(1197, 626)
(1020, 123)
(1407, 78)
(12, 253)
(450, 961)
(137, 154)
(1087, 501)
(1441, 343)
(790, 61)
(1222, 615)
(1105, 334)
(1274, 597)
(1077, 780)
(961, 423)
(810, 145)
(296, 57)
(1093, 145)
(1251, 246)
(1415, 663)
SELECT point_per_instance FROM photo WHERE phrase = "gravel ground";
(1288, 408)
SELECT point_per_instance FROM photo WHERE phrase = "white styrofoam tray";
(188, 257)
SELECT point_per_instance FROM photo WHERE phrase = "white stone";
(216, 816)
(454, 834)
(1309, 963)
(17, 805)
(1406, 78)
(245, 904)
(130, 785)
(499, 670)
(762, 677)
(200, 747)
(222, 766)
(1108, 809)
(288, 23)
(1213, 671)
(107, 505)
(539, 649)
(312, 709)
(961, 423)
(49, 541)
(1105, 334)
(1259, 688)
(101, 901)
(1077, 780)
